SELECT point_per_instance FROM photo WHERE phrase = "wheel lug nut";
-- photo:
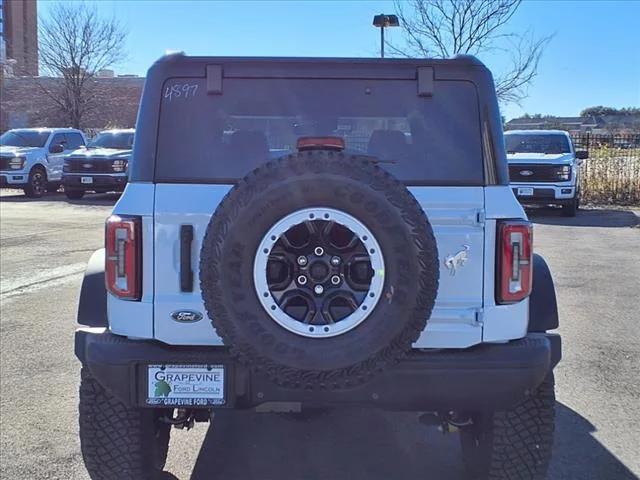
(319, 289)
(335, 280)
(319, 251)
(335, 261)
(302, 280)
(302, 260)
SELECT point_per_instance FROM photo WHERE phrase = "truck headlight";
(16, 163)
(119, 165)
(564, 173)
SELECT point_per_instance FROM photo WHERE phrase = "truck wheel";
(570, 209)
(512, 444)
(73, 194)
(37, 183)
(319, 269)
(118, 441)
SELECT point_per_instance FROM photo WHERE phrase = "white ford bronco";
(100, 167)
(544, 168)
(32, 158)
(310, 234)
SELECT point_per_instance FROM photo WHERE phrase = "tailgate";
(457, 217)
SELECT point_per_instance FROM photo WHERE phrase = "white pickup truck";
(544, 168)
(32, 158)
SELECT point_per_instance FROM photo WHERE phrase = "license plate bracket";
(178, 385)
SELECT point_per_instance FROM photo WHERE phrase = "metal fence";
(611, 174)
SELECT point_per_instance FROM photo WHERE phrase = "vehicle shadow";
(586, 217)
(578, 455)
(351, 444)
(93, 199)
(373, 445)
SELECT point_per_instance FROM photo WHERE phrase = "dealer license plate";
(86, 179)
(185, 385)
(525, 191)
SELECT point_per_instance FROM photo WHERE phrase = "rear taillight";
(514, 254)
(123, 257)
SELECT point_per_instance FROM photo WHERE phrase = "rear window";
(221, 138)
(537, 143)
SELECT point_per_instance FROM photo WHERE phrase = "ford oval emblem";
(526, 173)
(186, 316)
(87, 165)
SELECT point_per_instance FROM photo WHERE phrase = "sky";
(592, 59)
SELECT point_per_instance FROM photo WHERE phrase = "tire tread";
(359, 168)
(519, 441)
(114, 437)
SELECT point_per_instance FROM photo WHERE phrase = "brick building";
(25, 104)
(19, 34)
(24, 101)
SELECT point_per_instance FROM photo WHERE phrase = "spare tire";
(319, 269)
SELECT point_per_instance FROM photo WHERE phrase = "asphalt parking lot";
(595, 259)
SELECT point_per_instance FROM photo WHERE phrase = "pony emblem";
(453, 262)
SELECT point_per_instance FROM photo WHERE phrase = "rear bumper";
(485, 377)
(544, 193)
(102, 183)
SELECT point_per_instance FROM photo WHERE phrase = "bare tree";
(443, 28)
(74, 45)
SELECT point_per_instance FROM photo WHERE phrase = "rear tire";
(74, 194)
(37, 183)
(350, 186)
(118, 441)
(512, 444)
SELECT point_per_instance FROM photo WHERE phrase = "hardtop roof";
(216, 70)
(462, 60)
(461, 67)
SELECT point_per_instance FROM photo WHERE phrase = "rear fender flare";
(92, 307)
(543, 307)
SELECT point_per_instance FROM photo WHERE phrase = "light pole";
(381, 21)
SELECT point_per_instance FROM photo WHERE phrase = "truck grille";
(4, 162)
(82, 165)
(537, 173)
